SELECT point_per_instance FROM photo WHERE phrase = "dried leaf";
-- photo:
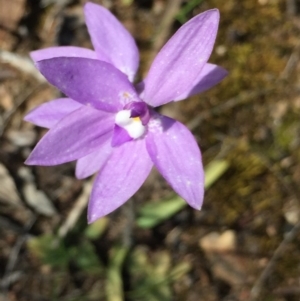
(38, 200)
(8, 190)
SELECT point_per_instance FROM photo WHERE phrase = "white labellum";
(133, 126)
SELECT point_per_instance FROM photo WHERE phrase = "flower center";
(130, 123)
(138, 109)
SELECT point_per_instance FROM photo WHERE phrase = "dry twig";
(164, 28)
(13, 256)
(258, 286)
(24, 64)
(7, 116)
(76, 211)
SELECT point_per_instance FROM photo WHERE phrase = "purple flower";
(109, 126)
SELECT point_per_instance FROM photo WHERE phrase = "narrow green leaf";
(152, 214)
(114, 284)
(214, 170)
(182, 15)
(96, 229)
(127, 2)
(180, 270)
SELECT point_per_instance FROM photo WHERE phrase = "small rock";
(21, 138)
(291, 211)
(215, 241)
(225, 263)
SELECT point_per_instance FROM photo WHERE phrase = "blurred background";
(244, 243)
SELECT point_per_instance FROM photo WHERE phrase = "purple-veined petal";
(62, 51)
(209, 77)
(93, 162)
(48, 114)
(90, 82)
(122, 175)
(181, 60)
(75, 136)
(111, 40)
(177, 157)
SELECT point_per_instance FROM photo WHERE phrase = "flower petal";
(93, 162)
(62, 51)
(49, 113)
(112, 42)
(180, 61)
(90, 82)
(75, 136)
(176, 155)
(209, 77)
(122, 175)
